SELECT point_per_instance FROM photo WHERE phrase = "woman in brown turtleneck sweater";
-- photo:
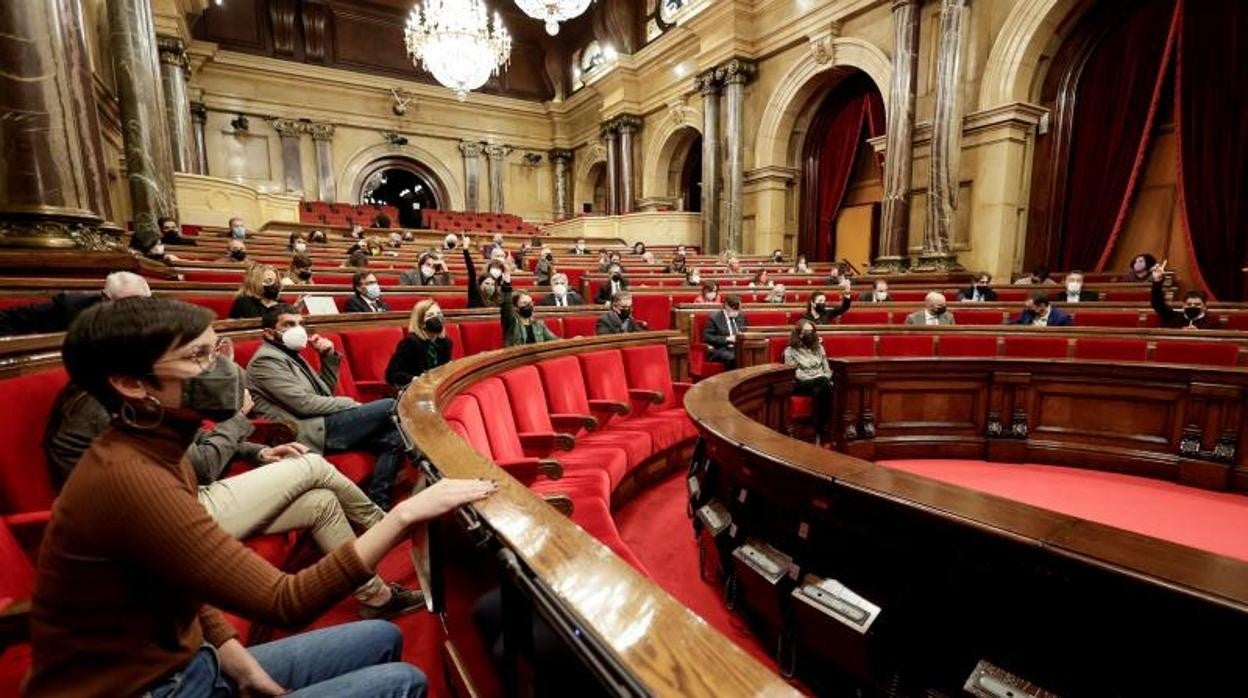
(132, 568)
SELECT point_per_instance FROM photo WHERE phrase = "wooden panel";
(238, 24)
(369, 41)
(1107, 413)
(929, 405)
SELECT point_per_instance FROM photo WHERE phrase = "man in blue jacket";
(1040, 313)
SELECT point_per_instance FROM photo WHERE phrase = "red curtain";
(1116, 102)
(851, 113)
(1211, 105)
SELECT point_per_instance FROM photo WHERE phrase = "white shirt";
(561, 301)
(929, 319)
(1041, 320)
(732, 326)
(1072, 296)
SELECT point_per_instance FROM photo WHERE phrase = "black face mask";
(625, 313)
(433, 325)
(215, 394)
(525, 312)
(938, 310)
(271, 292)
(1192, 313)
(305, 274)
(238, 255)
(450, 245)
(616, 276)
(821, 308)
(808, 338)
(549, 257)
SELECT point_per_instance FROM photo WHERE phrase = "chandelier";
(553, 11)
(456, 42)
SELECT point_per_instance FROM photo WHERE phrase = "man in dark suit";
(367, 298)
(1074, 292)
(613, 285)
(879, 294)
(1191, 317)
(58, 312)
(1040, 313)
(619, 319)
(560, 295)
(579, 248)
(720, 334)
(980, 290)
(430, 270)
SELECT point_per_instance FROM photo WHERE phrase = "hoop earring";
(130, 416)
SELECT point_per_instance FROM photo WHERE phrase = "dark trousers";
(820, 392)
(369, 427)
(723, 355)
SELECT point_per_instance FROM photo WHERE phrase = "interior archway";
(684, 170)
(598, 194)
(404, 183)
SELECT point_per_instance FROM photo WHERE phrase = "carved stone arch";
(1011, 73)
(450, 194)
(583, 182)
(670, 141)
(799, 86)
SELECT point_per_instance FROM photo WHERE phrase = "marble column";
(898, 152)
(199, 118)
(627, 127)
(471, 150)
(173, 74)
(942, 192)
(560, 159)
(610, 138)
(497, 156)
(291, 131)
(53, 181)
(145, 130)
(734, 74)
(708, 86)
(323, 139)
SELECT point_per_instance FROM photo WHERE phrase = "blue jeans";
(369, 427)
(356, 659)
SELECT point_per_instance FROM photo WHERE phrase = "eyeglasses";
(205, 356)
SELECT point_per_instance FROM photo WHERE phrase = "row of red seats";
(514, 418)
(344, 214)
(478, 221)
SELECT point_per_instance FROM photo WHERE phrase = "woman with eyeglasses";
(132, 568)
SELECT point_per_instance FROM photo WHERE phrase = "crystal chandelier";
(553, 11)
(456, 42)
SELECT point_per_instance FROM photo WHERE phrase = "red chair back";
(25, 484)
(1205, 353)
(647, 368)
(528, 399)
(500, 426)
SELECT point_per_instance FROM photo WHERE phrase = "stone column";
(323, 139)
(628, 127)
(708, 86)
(471, 150)
(734, 74)
(173, 74)
(145, 130)
(610, 138)
(53, 182)
(199, 118)
(497, 155)
(898, 152)
(942, 192)
(291, 131)
(560, 159)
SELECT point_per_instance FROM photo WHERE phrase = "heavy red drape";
(1117, 98)
(851, 113)
(1211, 113)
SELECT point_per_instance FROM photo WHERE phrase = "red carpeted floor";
(655, 527)
(1209, 521)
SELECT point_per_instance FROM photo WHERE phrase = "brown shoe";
(402, 600)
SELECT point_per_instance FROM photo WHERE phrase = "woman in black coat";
(425, 347)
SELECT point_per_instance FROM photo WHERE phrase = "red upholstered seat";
(1035, 347)
(464, 416)
(766, 318)
(581, 325)
(1236, 321)
(865, 317)
(799, 407)
(647, 368)
(356, 465)
(25, 485)
(369, 351)
(605, 380)
(218, 303)
(892, 345)
(1091, 318)
(842, 345)
(954, 345)
(1098, 349)
(1203, 352)
(978, 316)
(481, 335)
(17, 583)
(457, 340)
(564, 386)
(775, 348)
(655, 309)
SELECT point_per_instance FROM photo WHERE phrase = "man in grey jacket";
(286, 388)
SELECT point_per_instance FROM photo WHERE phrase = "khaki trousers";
(292, 493)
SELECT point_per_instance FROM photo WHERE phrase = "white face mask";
(295, 338)
(426, 270)
(695, 280)
(560, 289)
(301, 247)
(496, 273)
(881, 293)
(1074, 286)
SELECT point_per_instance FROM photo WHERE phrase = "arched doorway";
(841, 175)
(599, 195)
(685, 174)
(404, 183)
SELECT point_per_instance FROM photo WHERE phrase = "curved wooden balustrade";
(1078, 607)
(667, 648)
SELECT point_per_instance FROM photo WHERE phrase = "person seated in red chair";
(1075, 293)
(516, 314)
(238, 231)
(287, 390)
(299, 272)
(1039, 277)
(612, 286)
(57, 313)
(259, 292)
(430, 270)
(720, 333)
(935, 311)
(818, 312)
(878, 294)
(560, 295)
(171, 232)
(619, 319)
(294, 489)
(1039, 312)
(1141, 268)
(1191, 317)
(425, 347)
(813, 376)
(236, 252)
(980, 290)
(367, 296)
(132, 568)
(579, 248)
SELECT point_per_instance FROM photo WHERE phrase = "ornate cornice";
(706, 83)
(559, 155)
(471, 149)
(497, 151)
(320, 131)
(172, 52)
(737, 71)
(287, 128)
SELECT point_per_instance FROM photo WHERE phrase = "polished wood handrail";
(660, 641)
(715, 406)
